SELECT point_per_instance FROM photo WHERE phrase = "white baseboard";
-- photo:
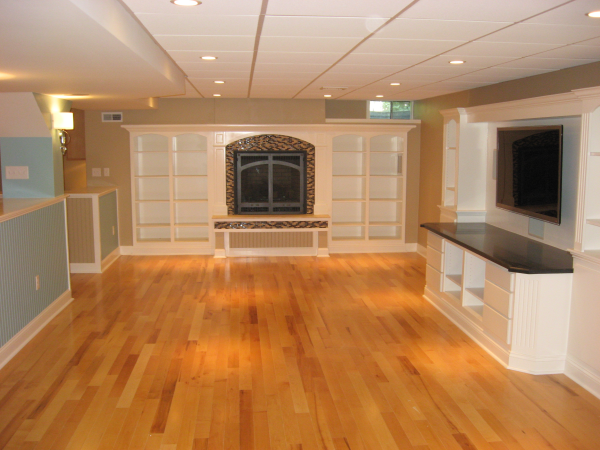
(422, 250)
(584, 375)
(283, 251)
(19, 340)
(130, 250)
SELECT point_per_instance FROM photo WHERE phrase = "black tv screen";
(530, 171)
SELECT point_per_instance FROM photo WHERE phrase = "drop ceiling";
(287, 48)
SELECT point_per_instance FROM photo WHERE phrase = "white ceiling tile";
(349, 78)
(207, 43)
(573, 52)
(366, 68)
(207, 8)
(290, 68)
(306, 44)
(471, 61)
(388, 59)
(199, 25)
(297, 58)
(573, 13)
(496, 74)
(356, 27)
(407, 46)
(290, 76)
(514, 50)
(474, 10)
(336, 8)
(193, 56)
(595, 41)
(447, 71)
(543, 34)
(546, 63)
(215, 68)
(452, 30)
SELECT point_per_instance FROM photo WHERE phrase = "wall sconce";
(63, 121)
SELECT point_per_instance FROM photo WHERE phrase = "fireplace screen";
(270, 182)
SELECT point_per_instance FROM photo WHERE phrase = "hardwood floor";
(274, 353)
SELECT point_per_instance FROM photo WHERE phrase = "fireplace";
(270, 174)
(270, 182)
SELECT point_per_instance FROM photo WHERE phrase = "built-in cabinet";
(170, 188)
(521, 319)
(464, 168)
(180, 184)
(368, 188)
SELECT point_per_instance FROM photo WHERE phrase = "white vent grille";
(112, 117)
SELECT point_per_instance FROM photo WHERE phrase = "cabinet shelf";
(348, 224)
(594, 153)
(349, 200)
(348, 238)
(154, 239)
(454, 294)
(476, 310)
(191, 200)
(184, 225)
(151, 176)
(456, 279)
(385, 224)
(386, 200)
(153, 225)
(391, 152)
(151, 201)
(476, 292)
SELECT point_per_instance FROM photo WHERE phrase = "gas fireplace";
(270, 182)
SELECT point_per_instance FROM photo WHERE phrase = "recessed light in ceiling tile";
(208, 58)
(219, 82)
(216, 95)
(379, 96)
(186, 2)
(594, 14)
(394, 84)
(457, 62)
(327, 95)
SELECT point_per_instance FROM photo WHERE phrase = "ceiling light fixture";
(327, 95)
(208, 58)
(394, 84)
(186, 2)
(594, 14)
(457, 61)
(379, 96)
(219, 82)
(62, 121)
(216, 95)
(71, 96)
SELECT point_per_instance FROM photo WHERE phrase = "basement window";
(390, 110)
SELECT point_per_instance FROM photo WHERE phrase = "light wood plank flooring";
(303, 353)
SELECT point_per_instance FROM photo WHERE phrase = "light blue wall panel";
(30, 245)
(108, 219)
(36, 153)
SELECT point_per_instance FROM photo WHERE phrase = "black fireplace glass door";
(255, 179)
(286, 184)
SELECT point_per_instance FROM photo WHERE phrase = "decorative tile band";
(269, 225)
(270, 143)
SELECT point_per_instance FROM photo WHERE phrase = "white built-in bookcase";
(169, 187)
(368, 187)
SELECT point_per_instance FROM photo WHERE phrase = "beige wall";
(430, 189)
(107, 144)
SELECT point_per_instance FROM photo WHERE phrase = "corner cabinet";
(368, 192)
(170, 190)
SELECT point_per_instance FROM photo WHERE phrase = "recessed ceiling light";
(594, 14)
(208, 58)
(379, 96)
(394, 84)
(216, 95)
(5, 76)
(219, 82)
(186, 2)
(457, 61)
(327, 95)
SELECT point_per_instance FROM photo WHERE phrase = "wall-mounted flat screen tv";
(530, 171)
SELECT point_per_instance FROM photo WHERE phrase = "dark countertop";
(509, 250)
